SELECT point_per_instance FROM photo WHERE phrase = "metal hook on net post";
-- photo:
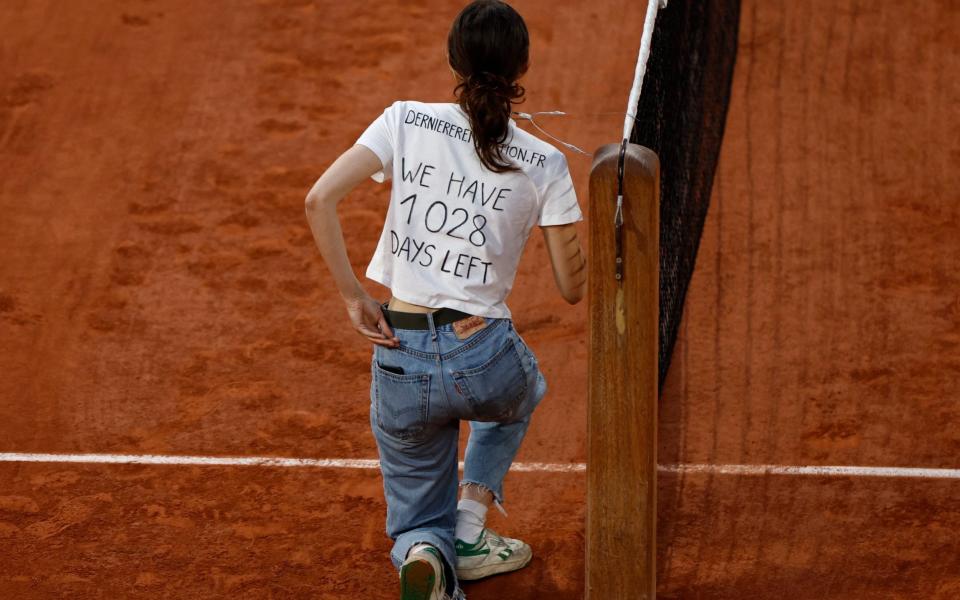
(618, 216)
(630, 121)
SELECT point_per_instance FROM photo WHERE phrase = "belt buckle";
(468, 326)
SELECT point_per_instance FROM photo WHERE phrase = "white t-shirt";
(455, 230)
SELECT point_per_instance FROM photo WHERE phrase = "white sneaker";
(489, 555)
(422, 576)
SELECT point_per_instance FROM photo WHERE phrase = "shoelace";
(458, 595)
(497, 540)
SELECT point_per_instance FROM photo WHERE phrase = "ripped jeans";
(418, 394)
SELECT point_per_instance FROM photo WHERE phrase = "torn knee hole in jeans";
(483, 488)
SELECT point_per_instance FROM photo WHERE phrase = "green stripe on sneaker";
(479, 548)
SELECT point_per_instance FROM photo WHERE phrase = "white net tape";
(648, 25)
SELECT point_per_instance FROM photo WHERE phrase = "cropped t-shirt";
(455, 230)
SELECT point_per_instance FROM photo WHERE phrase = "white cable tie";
(529, 117)
(559, 141)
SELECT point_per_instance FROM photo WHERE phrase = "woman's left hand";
(369, 321)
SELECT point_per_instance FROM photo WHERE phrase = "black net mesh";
(681, 115)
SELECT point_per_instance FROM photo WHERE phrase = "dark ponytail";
(489, 48)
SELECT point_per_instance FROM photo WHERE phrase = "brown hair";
(489, 49)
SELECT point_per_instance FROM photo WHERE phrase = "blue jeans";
(490, 379)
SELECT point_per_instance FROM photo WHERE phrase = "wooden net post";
(623, 377)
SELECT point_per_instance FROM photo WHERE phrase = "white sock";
(471, 516)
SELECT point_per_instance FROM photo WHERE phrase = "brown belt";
(410, 320)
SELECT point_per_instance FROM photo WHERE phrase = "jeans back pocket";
(495, 388)
(402, 402)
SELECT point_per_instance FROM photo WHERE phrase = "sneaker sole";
(417, 580)
(495, 569)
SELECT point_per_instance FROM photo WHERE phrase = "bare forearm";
(350, 168)
(568, 260)
(577, 268)
(322, 217)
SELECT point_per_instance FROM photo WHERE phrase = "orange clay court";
(160, 294)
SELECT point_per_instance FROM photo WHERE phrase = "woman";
(468, 186)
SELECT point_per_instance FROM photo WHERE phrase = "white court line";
(254, 461)
(359, 463)
(821, 471)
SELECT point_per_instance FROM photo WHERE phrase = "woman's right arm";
(569, 264)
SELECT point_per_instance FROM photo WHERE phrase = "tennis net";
(681, 115)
